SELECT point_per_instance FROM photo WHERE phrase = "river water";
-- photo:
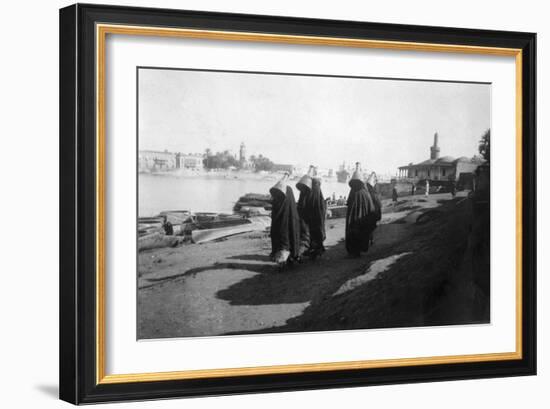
(210, 193)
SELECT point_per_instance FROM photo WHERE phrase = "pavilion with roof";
(436, 168)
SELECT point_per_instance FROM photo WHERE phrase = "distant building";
(279, 167)
(156, 160)
(436, 168)
(190, 161)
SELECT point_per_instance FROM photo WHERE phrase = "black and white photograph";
(264, 200)
(277, 202)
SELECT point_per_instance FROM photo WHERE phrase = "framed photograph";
(257, 203)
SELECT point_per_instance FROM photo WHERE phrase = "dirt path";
(231, 286)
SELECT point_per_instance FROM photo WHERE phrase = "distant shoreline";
(224, 174)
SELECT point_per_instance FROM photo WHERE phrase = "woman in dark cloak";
(394, 195)
(360, 216)
(316, 210)
(304, 187)
(371, 187)
(285, 224)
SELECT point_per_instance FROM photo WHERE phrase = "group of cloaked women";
(298, 228)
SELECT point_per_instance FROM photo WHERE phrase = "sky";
(305, 120)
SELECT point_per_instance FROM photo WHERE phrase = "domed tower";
(434, 150)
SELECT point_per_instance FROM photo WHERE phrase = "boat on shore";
(253, 200)
(197, 227)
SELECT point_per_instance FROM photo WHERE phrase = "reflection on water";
(211, 193)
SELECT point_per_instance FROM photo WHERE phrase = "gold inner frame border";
(102, 30)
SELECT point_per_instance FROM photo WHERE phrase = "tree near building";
(485, 145)
(261, 162)
(220, 160)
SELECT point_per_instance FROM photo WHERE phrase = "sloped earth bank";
(434, 272)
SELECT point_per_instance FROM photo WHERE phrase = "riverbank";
(231, 286)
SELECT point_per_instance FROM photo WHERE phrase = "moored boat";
(342, 175)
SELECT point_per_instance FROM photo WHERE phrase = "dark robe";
(361, 218)
(305, 238)
(376, 200)
(393, 194)
(377, 216)
(285, 224)
(316, 210)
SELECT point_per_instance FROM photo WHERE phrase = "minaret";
(434, 150)
(242, 153)
(242, 157)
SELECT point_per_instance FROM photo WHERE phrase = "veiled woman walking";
(316, 210)
(372, 181)
(285, 224)
(312, 211)
(361, 215)
(304, 187)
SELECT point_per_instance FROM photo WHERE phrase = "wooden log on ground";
(260, 223)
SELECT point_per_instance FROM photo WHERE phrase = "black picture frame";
(78, 355)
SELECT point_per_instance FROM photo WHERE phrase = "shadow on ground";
(443, 281)
(51, 391)
(312, 280)
(251, 257)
